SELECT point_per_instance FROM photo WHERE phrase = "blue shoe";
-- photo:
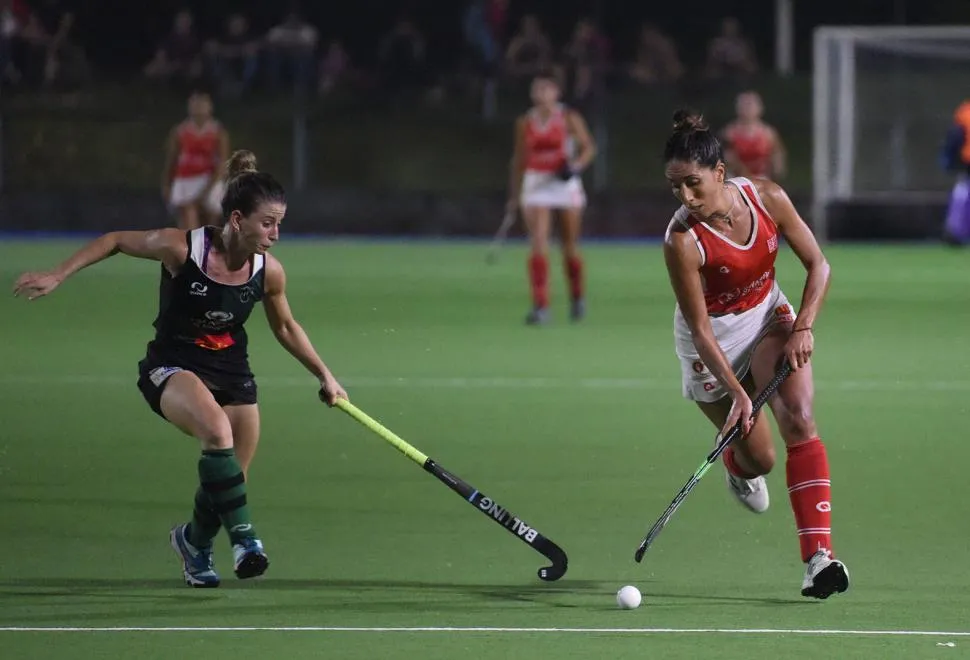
(197, 565)
(249, 559)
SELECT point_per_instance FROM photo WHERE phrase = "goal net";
(883, 100)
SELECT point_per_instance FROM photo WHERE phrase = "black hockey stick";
(486, 505)
(722, 444)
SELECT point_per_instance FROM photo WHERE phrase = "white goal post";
(883, 98)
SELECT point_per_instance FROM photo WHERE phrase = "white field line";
(496, 630)
(500, 382)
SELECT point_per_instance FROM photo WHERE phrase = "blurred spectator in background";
(656, 59)
(730, 54)
(335, 68)
(484, 31)
(60, 58)
(233, 58)
(529, 51)
(12, 16)
(179, 55)
(585, 62)
(291, 48)
(401, 58)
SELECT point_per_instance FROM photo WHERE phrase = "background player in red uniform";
(195, 373)
(193, 180)
(552, 148)
(733, 325)
(753, 147)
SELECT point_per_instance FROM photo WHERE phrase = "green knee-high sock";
(223, 481)
(205, 521)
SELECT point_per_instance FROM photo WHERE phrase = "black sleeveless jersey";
(199, 326)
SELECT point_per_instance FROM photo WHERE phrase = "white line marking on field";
(498, 382)
(471, 630)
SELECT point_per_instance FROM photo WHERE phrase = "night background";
(390, 124)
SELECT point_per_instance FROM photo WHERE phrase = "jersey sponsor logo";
(772, 243)
(731, 296)
(217, 316)
(215, 321)
(198, 289)
(160, 374)
(215, 342)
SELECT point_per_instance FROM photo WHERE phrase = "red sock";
(539, 279)
(732, 466)
(574, 271)
(809, 490)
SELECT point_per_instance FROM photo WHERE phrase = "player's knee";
(796, 421)
(216, 434)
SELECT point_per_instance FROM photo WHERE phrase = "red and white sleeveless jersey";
(736, 277)
(198, 149)
(753, 147)
(546, 143)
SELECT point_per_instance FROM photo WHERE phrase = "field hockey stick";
(482, 503)
(503, 231)
(721, 444)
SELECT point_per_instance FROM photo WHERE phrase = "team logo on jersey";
(246, 294)
(709, 387)
(698, 367)
(198, 289)
(724, 270)
(772, 243)
(785, 312)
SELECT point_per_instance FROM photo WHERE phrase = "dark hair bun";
(687, 121)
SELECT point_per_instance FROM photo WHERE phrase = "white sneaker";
(752, 493)
(824, 576)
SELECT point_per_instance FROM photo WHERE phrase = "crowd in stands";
(39, 47)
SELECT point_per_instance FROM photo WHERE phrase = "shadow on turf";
(318, 595)
(338, 594)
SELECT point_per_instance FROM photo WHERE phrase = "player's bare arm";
(683, 267)
(164, 245)
(818, 272)
(290, 334)
(517, 163)
(584, 140)
(802, 241)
